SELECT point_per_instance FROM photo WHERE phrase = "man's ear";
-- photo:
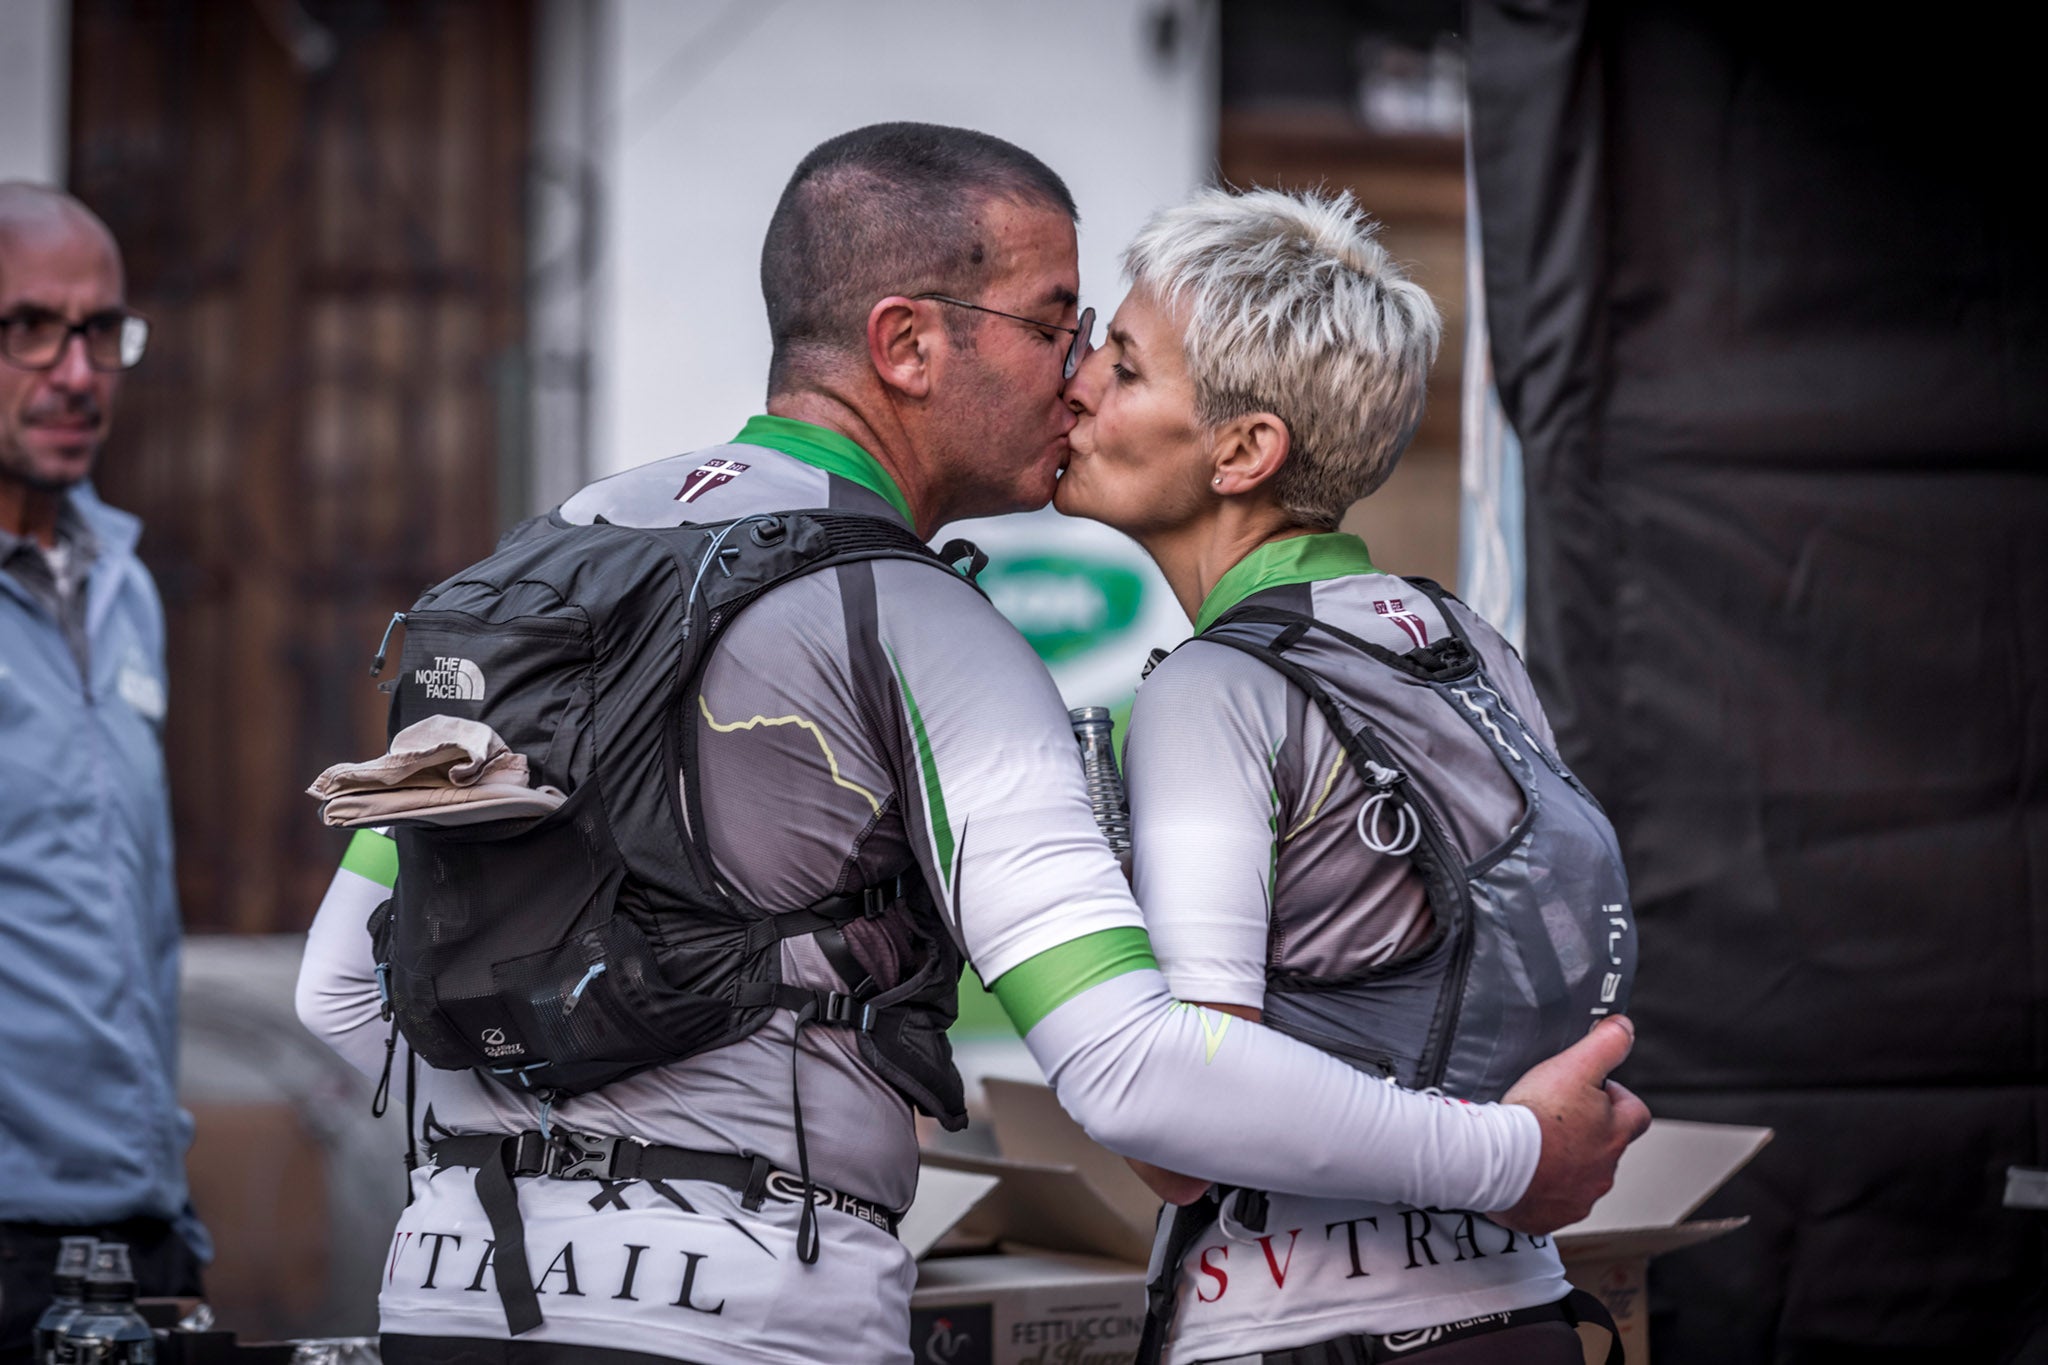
(899, 346)
(1248, 451)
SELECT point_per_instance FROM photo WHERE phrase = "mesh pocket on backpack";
(430, 1032)
(589, 1000)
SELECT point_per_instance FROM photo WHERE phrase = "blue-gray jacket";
(90, 1128)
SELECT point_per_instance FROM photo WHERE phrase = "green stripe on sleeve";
(935, 797)
(1039, 985)
(372, 855)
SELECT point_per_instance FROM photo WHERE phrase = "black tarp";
(1768, 314)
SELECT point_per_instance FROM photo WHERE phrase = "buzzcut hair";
(1291, 307)
(886, 209)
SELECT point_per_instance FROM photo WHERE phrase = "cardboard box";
(1663, 1177)
(1033, 1257)
(1036, 1256)
(1026, 1308)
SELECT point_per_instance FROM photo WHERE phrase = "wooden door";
(320, 203)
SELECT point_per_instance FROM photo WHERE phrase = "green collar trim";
(823, 448)
(1297, 559)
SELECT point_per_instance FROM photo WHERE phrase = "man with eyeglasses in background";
(92, 1140)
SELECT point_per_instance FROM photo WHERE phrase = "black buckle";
(581, 1156)
(875, 901)
(1249, 1208)
(530, 1155)
(838, 1009)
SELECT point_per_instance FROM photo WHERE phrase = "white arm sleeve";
(1198, 1091)
(337, 997)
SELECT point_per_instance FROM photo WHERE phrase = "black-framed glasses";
(1076, 352)
(35, 338)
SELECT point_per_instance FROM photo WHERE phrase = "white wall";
(716, 103)
(35, 64)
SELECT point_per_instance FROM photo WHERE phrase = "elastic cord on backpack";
(412, 1127)
(381, 1101)
(807, 1221)
(712, 556)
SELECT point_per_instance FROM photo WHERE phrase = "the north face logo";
(451, 679)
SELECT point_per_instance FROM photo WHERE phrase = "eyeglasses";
(1083, 334)
(35, 338)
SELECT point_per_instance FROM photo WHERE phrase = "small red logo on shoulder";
(709, 475)
(1417, 629)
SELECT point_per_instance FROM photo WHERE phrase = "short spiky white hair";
(1292, 308)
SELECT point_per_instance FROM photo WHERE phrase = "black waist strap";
(1181, 1226)
(499, 1159)
(1573, 1309)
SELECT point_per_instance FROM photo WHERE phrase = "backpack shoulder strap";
(1435, 662)
(742, 561)
(1411, 827)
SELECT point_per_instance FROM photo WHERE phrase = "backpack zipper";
(384, 645)
(550, 627)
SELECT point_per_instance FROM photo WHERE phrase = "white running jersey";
(675, 1269)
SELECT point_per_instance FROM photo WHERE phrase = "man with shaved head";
(92, 1141)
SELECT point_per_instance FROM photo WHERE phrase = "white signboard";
(1091, 602)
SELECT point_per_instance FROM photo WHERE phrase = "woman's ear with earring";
(1253, 447)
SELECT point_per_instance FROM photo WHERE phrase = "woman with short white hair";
(1348, 815)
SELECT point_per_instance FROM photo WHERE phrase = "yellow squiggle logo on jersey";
(831, 761)
(1321, 797)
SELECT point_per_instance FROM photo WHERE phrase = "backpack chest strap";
(868, 903)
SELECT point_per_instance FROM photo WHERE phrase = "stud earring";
(1218, 481)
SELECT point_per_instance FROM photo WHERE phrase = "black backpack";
(560, 953)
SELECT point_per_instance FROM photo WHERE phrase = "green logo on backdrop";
(1062, 605)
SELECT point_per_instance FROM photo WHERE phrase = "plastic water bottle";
(74, 1259)
(107, 1329)
(1093, 732)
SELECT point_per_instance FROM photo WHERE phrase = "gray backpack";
(1533, 943)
